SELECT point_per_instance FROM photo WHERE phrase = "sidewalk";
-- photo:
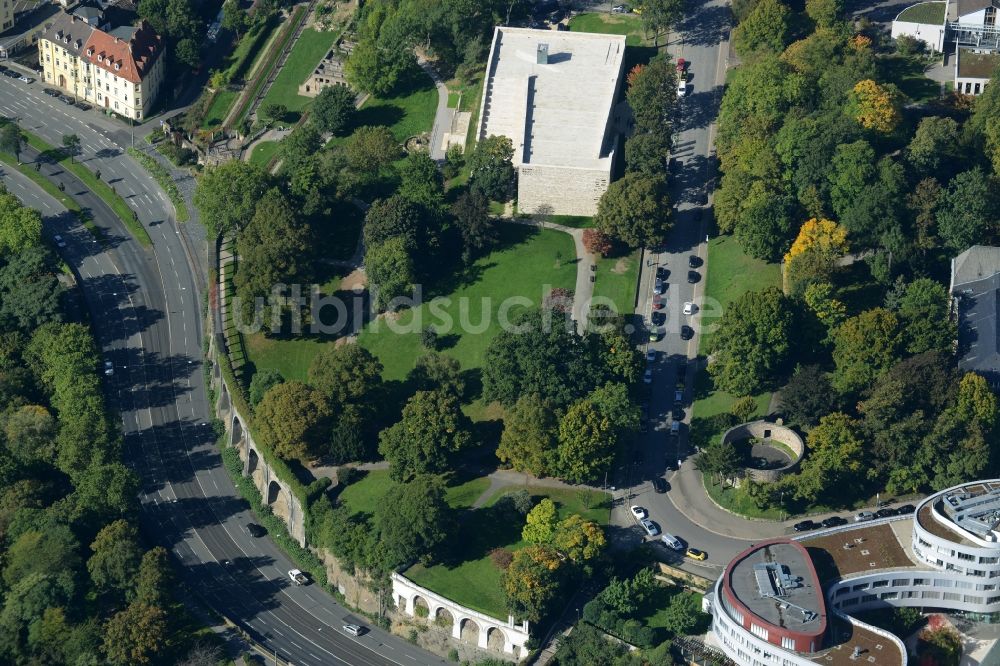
(443, 115)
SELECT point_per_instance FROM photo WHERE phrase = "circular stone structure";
(767, 434)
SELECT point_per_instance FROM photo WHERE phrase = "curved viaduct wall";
(768, 432)
(276, 493)
(466, 624)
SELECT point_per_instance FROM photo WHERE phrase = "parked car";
(83, 106)
(659, 286)
(656, 334)
(26, 78)
(677, 413)
(647, 377)
(662, 272)
(905, 510)
(885, 513)
(59, 241)
(659, 301)
(51, 92)
(671, 542)
(696, 554)
(675, 428)
(67, 99)
(864, 516)
(620, 9)
(690, 308)
(659, 485)
(109, 368)
(255, 530)
(686, 332)
(694, 261)
(805, 526)
(834, 521)
(638, 511)
(693, 276)
(650, 356)
(354, 629)
(678, 396)
(658, 317)
(682, 87)
(682, 65)
(9, 73)
(649, 526)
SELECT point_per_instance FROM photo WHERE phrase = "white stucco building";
(553, 94)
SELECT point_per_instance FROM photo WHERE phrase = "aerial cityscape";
(391, 332)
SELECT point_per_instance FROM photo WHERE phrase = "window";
(787, 643)
(881, 583)
(991, 16)
(900, 582)
(965, 556)
(952, 596)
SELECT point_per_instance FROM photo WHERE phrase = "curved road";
(146, 311)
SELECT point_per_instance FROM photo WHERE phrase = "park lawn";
(617, 279)
(574, 221)
(363, 495)
(306, 53)
(653, 614)
(263, 152)
(629, 25)
(222, 103)
(907, 72)
(475, 581)
(290, 357)
(527, 262)
(407, 113)
(731, 272)
(737, 501)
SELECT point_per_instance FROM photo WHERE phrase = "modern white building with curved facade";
(945, 556)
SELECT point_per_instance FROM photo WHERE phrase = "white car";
(682, 87)
(671, 542)
(297, 577)
(650, 356)
(354, 629)
(109, 368)
(26, 78)
(638, 512)
(59, 241)
(619, 9)
(647, 377)
(650, 527)
(690, 308)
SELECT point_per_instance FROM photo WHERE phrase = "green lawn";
(617, 278)
(306, 53)
(474, 581)
(731, 272)
(217, 112)
(908, 74)
(363, 495)
(574, 221)
(290, 357)
(629, 25)
(925, 12)
(263, 152)
(408, 113)
(526, 262)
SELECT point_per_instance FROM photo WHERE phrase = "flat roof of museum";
(776, 583)
(555, 112)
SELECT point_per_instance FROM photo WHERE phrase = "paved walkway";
(507, 478)
(443, 116)
(584, 291)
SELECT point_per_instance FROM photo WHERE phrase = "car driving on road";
(354, 629)
(650, 355)
(696, 554)
(298, 577)
(659, 486)
(255, 530)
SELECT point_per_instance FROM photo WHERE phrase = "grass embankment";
(473, 580)
(240, 61)
(310, 47)
(98, 187)
(617, 279)
(162, 177)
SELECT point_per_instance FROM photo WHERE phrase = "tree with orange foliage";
(875, 107)
(815, 251)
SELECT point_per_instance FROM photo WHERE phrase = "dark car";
(67, 99)
(51, 92)
(83, 106)
(662, 272)
(255, 530)
(659, 485)
(693, 276)
(677, 414)
(687, 332)
(658, 317)
(694, 261)
(805, 526)
(885, 513)
(834, 521)
(905, 510)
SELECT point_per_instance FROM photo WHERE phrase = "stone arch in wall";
(469, 631)
(254, 469)
(495, 639)
(420, 602)
(443, 618)
(224, 402)
(277, 499)
(237, 437)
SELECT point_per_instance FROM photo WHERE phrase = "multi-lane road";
(146, 311)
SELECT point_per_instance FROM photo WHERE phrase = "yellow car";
(696, 554)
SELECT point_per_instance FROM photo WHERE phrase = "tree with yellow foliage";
(875, 107)
(532, 581)
(815, 250)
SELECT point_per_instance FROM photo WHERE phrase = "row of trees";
(76, 584)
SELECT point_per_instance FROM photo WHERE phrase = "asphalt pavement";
(702, 40)
(146, 311)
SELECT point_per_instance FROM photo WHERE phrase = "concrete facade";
(466, 624)
(553, 93)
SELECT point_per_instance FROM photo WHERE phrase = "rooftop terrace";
(872, 648)
(856, 551)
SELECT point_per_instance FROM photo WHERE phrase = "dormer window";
(118, 66)
(90, 52)
(100, 58)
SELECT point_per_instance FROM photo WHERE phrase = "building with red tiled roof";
(120, 70)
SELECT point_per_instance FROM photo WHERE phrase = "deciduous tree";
(579, 539)
(115, 558)
(294, 419)
(492, 168)
(765, 28)
(876, 106)
(807, 396)
(864, 347)
(346, 373)
(968, 211)
(333, 109)
(227, 195)
(413, 520)
(390, 271)
(540, 523)
(135, 635)
(432, 428)
(476, 226)
(532, 582)
(262, 382)
(20, 226)
(528, 442)
(835, 461)
(635, 210)
(586, 443)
